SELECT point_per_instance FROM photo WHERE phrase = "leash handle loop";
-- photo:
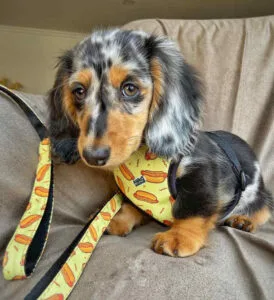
(29, 239)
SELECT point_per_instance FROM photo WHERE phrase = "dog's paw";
(175, 243)
(119, 227)
(243, 223)
(127, 218)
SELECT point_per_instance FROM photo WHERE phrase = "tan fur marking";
(261, 216)
(156, 71)
(68, 101)
(84, 77)
(125, 220)
(185, 237)
(124, 135)
(83, 140)
(117, 74)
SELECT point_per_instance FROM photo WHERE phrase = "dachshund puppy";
(118, 89)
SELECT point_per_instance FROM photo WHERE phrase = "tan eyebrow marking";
(117, 74)
(68, 100)
(157, 76)
(84, 77)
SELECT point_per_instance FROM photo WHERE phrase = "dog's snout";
(97, 156)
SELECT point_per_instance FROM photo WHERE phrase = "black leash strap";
(34, 120)
(236, 168)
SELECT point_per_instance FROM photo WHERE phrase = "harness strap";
(236, 168)
(174, 165)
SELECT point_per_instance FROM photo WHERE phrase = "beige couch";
(236, 61)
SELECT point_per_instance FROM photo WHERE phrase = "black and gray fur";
(173, 126)
(208, 180)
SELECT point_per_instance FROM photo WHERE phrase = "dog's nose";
(96, 156)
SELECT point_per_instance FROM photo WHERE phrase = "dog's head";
(117, 89)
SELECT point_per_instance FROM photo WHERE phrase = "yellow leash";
(29, 239)
(64, 281)
(16, 252)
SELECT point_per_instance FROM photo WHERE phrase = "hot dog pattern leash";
(19, 251)
(29, 239)
(62, 277)
(21, 255)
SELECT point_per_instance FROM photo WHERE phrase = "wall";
(83, 15)
(29, 55)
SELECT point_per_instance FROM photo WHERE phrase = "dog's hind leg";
(249, 223)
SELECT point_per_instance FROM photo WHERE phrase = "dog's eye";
(79, 92)
(130, 90)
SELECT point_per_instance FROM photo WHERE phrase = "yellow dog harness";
(144, 179)
(148, 181)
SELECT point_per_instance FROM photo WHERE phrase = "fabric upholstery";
(236, 61)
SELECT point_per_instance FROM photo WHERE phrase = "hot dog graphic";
(86, 247)
(41, 191)
(126, 172)
(28, 221)
(68, 275)
(22, 239)
(120, 184)
(42, 172)
(154, 176)
(150, 155)
(93, 232)
(145, 196)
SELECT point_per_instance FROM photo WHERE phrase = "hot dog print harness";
(148, 181)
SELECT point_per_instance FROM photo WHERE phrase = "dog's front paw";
(125, 220)
(176, 243)
(119, 227)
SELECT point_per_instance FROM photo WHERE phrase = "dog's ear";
(62, 130)
(176, 101)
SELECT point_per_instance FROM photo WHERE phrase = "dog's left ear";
(63, 131)
(176, 101)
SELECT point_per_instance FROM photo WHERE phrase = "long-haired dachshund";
(118, 89)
